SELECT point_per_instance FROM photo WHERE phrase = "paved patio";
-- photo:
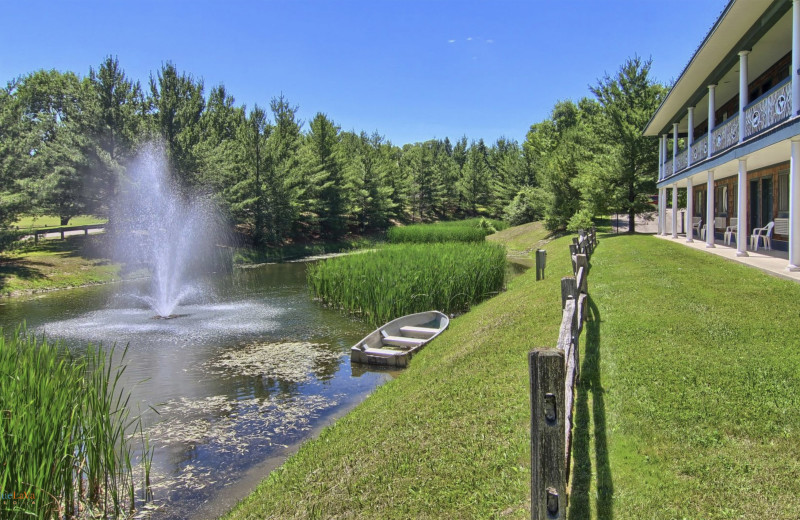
(771, 262)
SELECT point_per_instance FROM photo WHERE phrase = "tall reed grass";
(400, 279)
(471, 230)
(65, 432)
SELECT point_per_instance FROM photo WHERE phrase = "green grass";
(687, 405)
(471, 230)
(64, 442)
(49, 222)
(395, 280)
(57, 264)
(524, 239)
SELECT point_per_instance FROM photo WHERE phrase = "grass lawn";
(687, 406)
(55, 264)
(49, 221)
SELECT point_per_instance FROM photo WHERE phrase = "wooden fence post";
(548, 476)
(582, 261)
(569, 289)
(62, 233)
(541, 261)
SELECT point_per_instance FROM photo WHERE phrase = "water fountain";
(166, 228)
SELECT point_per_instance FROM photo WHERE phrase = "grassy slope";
(447, 439)
(688, 406)
(55, 222)
(56, 264)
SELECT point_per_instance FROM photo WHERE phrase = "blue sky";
(412, 70)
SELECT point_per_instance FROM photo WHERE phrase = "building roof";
(731, 28)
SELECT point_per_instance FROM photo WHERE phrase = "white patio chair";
(696, 222)
(730, 231)
(759, 234)
(703, 232)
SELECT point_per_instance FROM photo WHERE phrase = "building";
(729, 130)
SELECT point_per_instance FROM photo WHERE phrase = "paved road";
(645, 223)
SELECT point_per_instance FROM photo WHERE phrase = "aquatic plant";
(400, 279)
(471, 230)
(65, 432)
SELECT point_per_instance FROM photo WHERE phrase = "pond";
(240, 378)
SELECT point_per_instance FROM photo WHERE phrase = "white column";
(710, 210)
(674, 149)
(712, 115)
(795, 57)
(661, 157)
(666, 143)
(690, 139)
(663, 198)
(675, 210)
(741, 211)
(744, 91)
(794, 205)
(689, 208)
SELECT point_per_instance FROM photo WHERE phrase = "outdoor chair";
(759, 234)
(730, 231)
(703, 232)
(696, 222)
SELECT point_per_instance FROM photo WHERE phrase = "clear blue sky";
(411, 69)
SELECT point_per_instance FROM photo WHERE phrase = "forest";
(67, 139)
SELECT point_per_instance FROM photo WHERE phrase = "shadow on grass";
(25, 270)
(588, 414)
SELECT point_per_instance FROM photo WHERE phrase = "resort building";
(729, 132)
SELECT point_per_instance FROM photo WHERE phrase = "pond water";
(239, 378)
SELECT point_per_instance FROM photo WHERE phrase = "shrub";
(524, 208)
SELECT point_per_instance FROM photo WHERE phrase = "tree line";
(65, 141)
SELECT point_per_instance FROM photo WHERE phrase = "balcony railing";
(765, 112)
(668, 169)
(682, 160)
(725, 135)
(700, 149)
(768, 110)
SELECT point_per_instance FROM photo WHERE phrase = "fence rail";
(44, 231)
(553, 376)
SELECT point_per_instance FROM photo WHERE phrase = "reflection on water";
(236, 378)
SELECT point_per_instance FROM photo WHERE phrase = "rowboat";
(395, 343)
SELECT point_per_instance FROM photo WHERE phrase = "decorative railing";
(725, 135)
(699, 149)
(668, 169)
(768, 110)
(682, 160)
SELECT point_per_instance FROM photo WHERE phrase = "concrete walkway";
(771, 262)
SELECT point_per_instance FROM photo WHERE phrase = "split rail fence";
(553, 376)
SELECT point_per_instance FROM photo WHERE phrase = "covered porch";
(759, 180)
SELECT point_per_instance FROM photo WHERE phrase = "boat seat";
(418, 332)
(400, 341)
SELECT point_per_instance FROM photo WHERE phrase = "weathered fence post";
(548, 478)
(62, 233)
(582, 261)
(86, 230)
(569, 289)
(541, 261)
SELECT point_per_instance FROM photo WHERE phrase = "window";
(721, 200)
(735, 207)
(783, 194)
(698, 203)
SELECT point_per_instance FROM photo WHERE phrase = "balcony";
(725, 135)
(770, 109)
(682, 160)
(700, 149)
